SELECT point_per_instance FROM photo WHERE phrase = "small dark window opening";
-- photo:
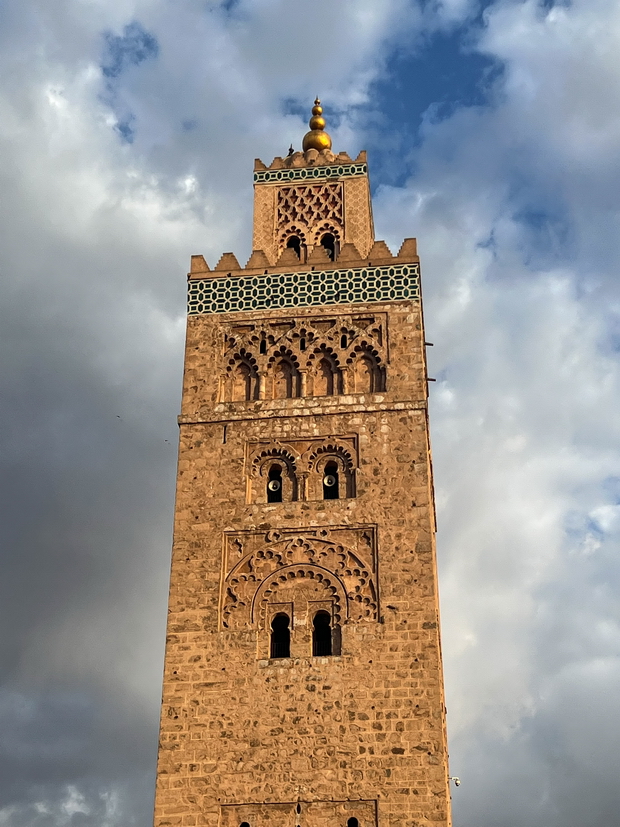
(353, 822)
(343, 340)
(302, 343)
(330, 482)
(274, 485)
(298, 808)
(246, 824)
(294, 243)
(328, 242)
(322, 635)
(280, 636)
(263, 346)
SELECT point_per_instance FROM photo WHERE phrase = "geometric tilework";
(312, 288)
(312, 173)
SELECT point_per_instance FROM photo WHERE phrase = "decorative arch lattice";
(287, 560)
(368, 370)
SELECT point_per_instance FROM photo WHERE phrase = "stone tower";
(303, 676)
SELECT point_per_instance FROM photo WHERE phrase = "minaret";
(303, 678)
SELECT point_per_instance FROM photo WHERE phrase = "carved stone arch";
(342, 458)
(321, 583)
(325, 373)
(241, 381)
(326, 227)
(263, 463)
(285, 376)
(367, 369)
(293, 230)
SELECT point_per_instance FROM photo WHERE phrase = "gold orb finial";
(317, 138)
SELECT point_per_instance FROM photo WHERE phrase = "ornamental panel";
(337, 564)
(312, 288)
(277, 176)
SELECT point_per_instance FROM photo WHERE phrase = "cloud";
(514, 201)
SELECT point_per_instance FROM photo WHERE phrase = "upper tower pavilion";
(303, 677)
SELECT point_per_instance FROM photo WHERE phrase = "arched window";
(246, 824)
(274, 485)
(244, 383)
(322, 634)
(331, 482)
(286, 380)
(368, 375)
(343, 340)
(328, 242)
(281, 636)
(324, 379)
(262, 348)
(294, 243)
(352, 822)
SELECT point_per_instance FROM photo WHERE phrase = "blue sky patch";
(421, 82)
(131, 48)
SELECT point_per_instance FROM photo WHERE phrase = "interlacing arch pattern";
(305, 357)
(305, 206)
(300, 570)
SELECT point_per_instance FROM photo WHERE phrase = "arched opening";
(330, 482)
(322, 634)
(274, 485)
(328, 242)
(246, 824)
(343, 340)
(262, 348)
(353, 822)
(302, 343)
(281, 636)
(324, 379)
(286, 380)
(368, 374)
(244, 383)
(294, 243)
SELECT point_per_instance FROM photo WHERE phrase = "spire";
(317, 138)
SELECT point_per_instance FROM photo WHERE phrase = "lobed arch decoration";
(304, 584)
(287, 236)
(283, 367)
(367, 371)
(328, 454)
(262, 468)
(241, 381)
(325, 372)
(300, 570)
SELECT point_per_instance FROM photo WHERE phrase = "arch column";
(303, 373)
(262, 384)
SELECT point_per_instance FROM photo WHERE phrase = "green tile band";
(274, 176)
(223, 294)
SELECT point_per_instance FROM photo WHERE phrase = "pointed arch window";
(328, 242)
(331, 482)
(274, 485)
(322, 634)
(244, 383)
(281, 636)
(286, 380)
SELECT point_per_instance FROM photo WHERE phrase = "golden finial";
(317, 138)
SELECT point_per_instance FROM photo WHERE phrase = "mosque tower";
(303, 678)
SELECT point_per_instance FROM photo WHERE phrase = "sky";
(128, 130)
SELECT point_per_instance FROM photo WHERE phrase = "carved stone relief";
(301, 567)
